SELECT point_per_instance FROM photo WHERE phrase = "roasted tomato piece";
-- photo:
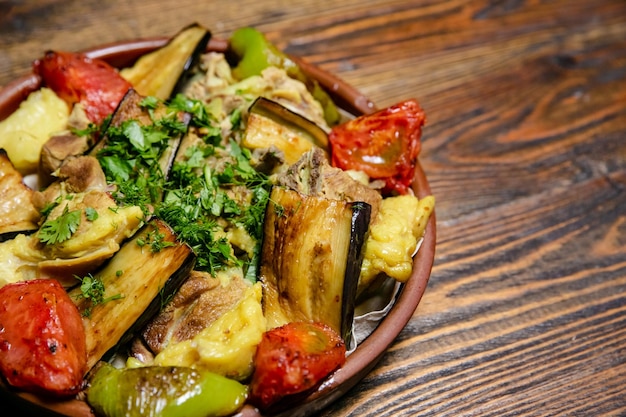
(384, 145)
(292, 359)
(76, 78)
(42, 342)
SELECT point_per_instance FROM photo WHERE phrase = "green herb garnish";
(91, 214)
(212, 189)
(131, 156)
(92, 289)
(60, 229)
(155, 240)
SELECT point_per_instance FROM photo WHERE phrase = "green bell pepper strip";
(163, 391)
(256, 53)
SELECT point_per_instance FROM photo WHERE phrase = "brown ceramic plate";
(367, 354)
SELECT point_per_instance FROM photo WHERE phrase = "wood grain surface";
(525, 151)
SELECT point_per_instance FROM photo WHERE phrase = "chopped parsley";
(155, 240)
(61, 228)
(183, 212)
(131, 156)
(203, 201)
(49, 206)
(209, 190)
(91, 214)
(92, 289)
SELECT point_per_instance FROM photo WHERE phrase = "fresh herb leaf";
(196, 155)
(49, 206)
(208, 127)
(155, 240)
(194, 107)
(254, 214)
(235, 118)
(92, 289)
(91, 214)
(194, 227)
(245, 172)
(90, 130)
(117, 168)
(150, 102)
(251, 267)
(134, 133)
(130, 158)
(60, 229)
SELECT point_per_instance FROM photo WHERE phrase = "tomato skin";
(384, 145)
(42, 338)
(292, 359)
(77, 78)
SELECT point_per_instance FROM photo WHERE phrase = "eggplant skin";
(311, 259)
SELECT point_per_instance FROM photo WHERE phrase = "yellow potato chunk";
(24, 132)
(393, 238)
(18, 259)
(95, 241)
(111, 226)
(228, 345)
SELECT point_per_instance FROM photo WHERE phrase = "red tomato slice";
(42, 338)
(384, 145)
(292, 359)
(78, 79)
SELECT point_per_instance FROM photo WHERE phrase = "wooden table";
(525, 150)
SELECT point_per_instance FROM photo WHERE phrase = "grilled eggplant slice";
(17, 212)
(139, 278)
(163, 72)
(96, 238)
(92, 243)
(271, 124)
(311, 259)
